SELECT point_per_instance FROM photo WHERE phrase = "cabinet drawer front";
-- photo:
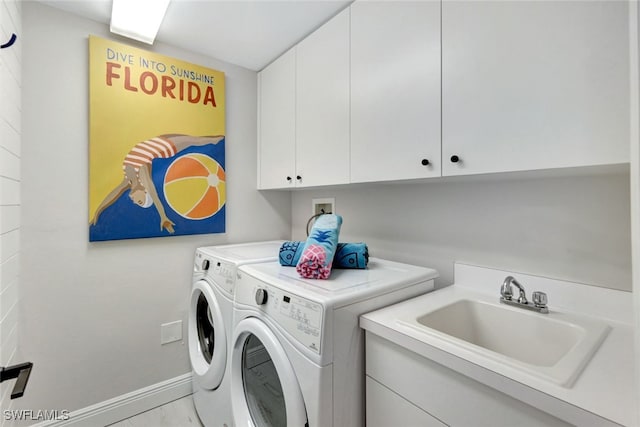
(387, 409)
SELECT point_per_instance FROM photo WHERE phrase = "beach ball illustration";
(194, 186)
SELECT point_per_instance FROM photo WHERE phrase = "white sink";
(554, 347)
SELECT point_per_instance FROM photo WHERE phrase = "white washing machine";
(210, 320)
(298, 352)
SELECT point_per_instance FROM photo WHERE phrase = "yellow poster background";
(120, 116)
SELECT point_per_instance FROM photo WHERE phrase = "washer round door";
(264, 388)
(207, 337)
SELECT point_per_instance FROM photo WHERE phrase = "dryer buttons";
(205, 264)
(261, 296)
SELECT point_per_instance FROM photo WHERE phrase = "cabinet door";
(395, 90)
(386, 408)
(276, 123)
(534, 84)
(322, 108)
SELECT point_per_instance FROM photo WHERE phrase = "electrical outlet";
(326, 205)
(170, 332)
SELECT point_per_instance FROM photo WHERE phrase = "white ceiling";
(249, 33)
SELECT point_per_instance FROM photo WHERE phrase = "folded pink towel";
(313, 263)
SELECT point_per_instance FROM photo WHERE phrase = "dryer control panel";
(219, 272)
(299, 317)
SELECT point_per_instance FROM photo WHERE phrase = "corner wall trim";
(127, 405)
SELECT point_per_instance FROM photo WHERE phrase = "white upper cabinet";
(276, 123)
(322, 105)
(534, 85)
(304, 112)
(395, 90)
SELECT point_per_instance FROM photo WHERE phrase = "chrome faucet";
(506, 296)
(507, 292)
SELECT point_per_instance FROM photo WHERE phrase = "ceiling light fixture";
(138, 19)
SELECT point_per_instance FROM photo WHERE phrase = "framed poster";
(156, 145)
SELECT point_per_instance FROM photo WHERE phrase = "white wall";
(573, 228)
(91, 313)
(10, 148)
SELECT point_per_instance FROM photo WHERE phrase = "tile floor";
(179, 413)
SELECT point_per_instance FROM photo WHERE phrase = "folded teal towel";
(317, 256)
(348, 255)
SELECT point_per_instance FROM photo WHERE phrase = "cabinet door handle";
(425, 162)
(298, 177)
(289, 178)
(455, 159)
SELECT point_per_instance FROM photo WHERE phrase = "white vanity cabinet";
(395, 90)
(304, 112)
(276, 123)
(534, 85)
(429, 360)
(411, 390)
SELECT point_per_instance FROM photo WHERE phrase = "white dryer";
(210, 320)
(298, 351)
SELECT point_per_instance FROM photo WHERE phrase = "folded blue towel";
(348, 255)
(319, 249)
(351, 255)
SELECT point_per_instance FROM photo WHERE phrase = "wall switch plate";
(170, 332)
(326, 205)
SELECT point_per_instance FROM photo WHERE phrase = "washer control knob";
(261, 296)
(205, 264)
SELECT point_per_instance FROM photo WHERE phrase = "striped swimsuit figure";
(144, 152)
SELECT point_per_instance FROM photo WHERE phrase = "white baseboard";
(127, 405)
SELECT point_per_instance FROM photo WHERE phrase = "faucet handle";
(539, 299)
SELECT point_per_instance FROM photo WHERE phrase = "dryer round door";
(207, 337)
(264, 388)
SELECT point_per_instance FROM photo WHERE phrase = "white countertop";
(605, 386)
